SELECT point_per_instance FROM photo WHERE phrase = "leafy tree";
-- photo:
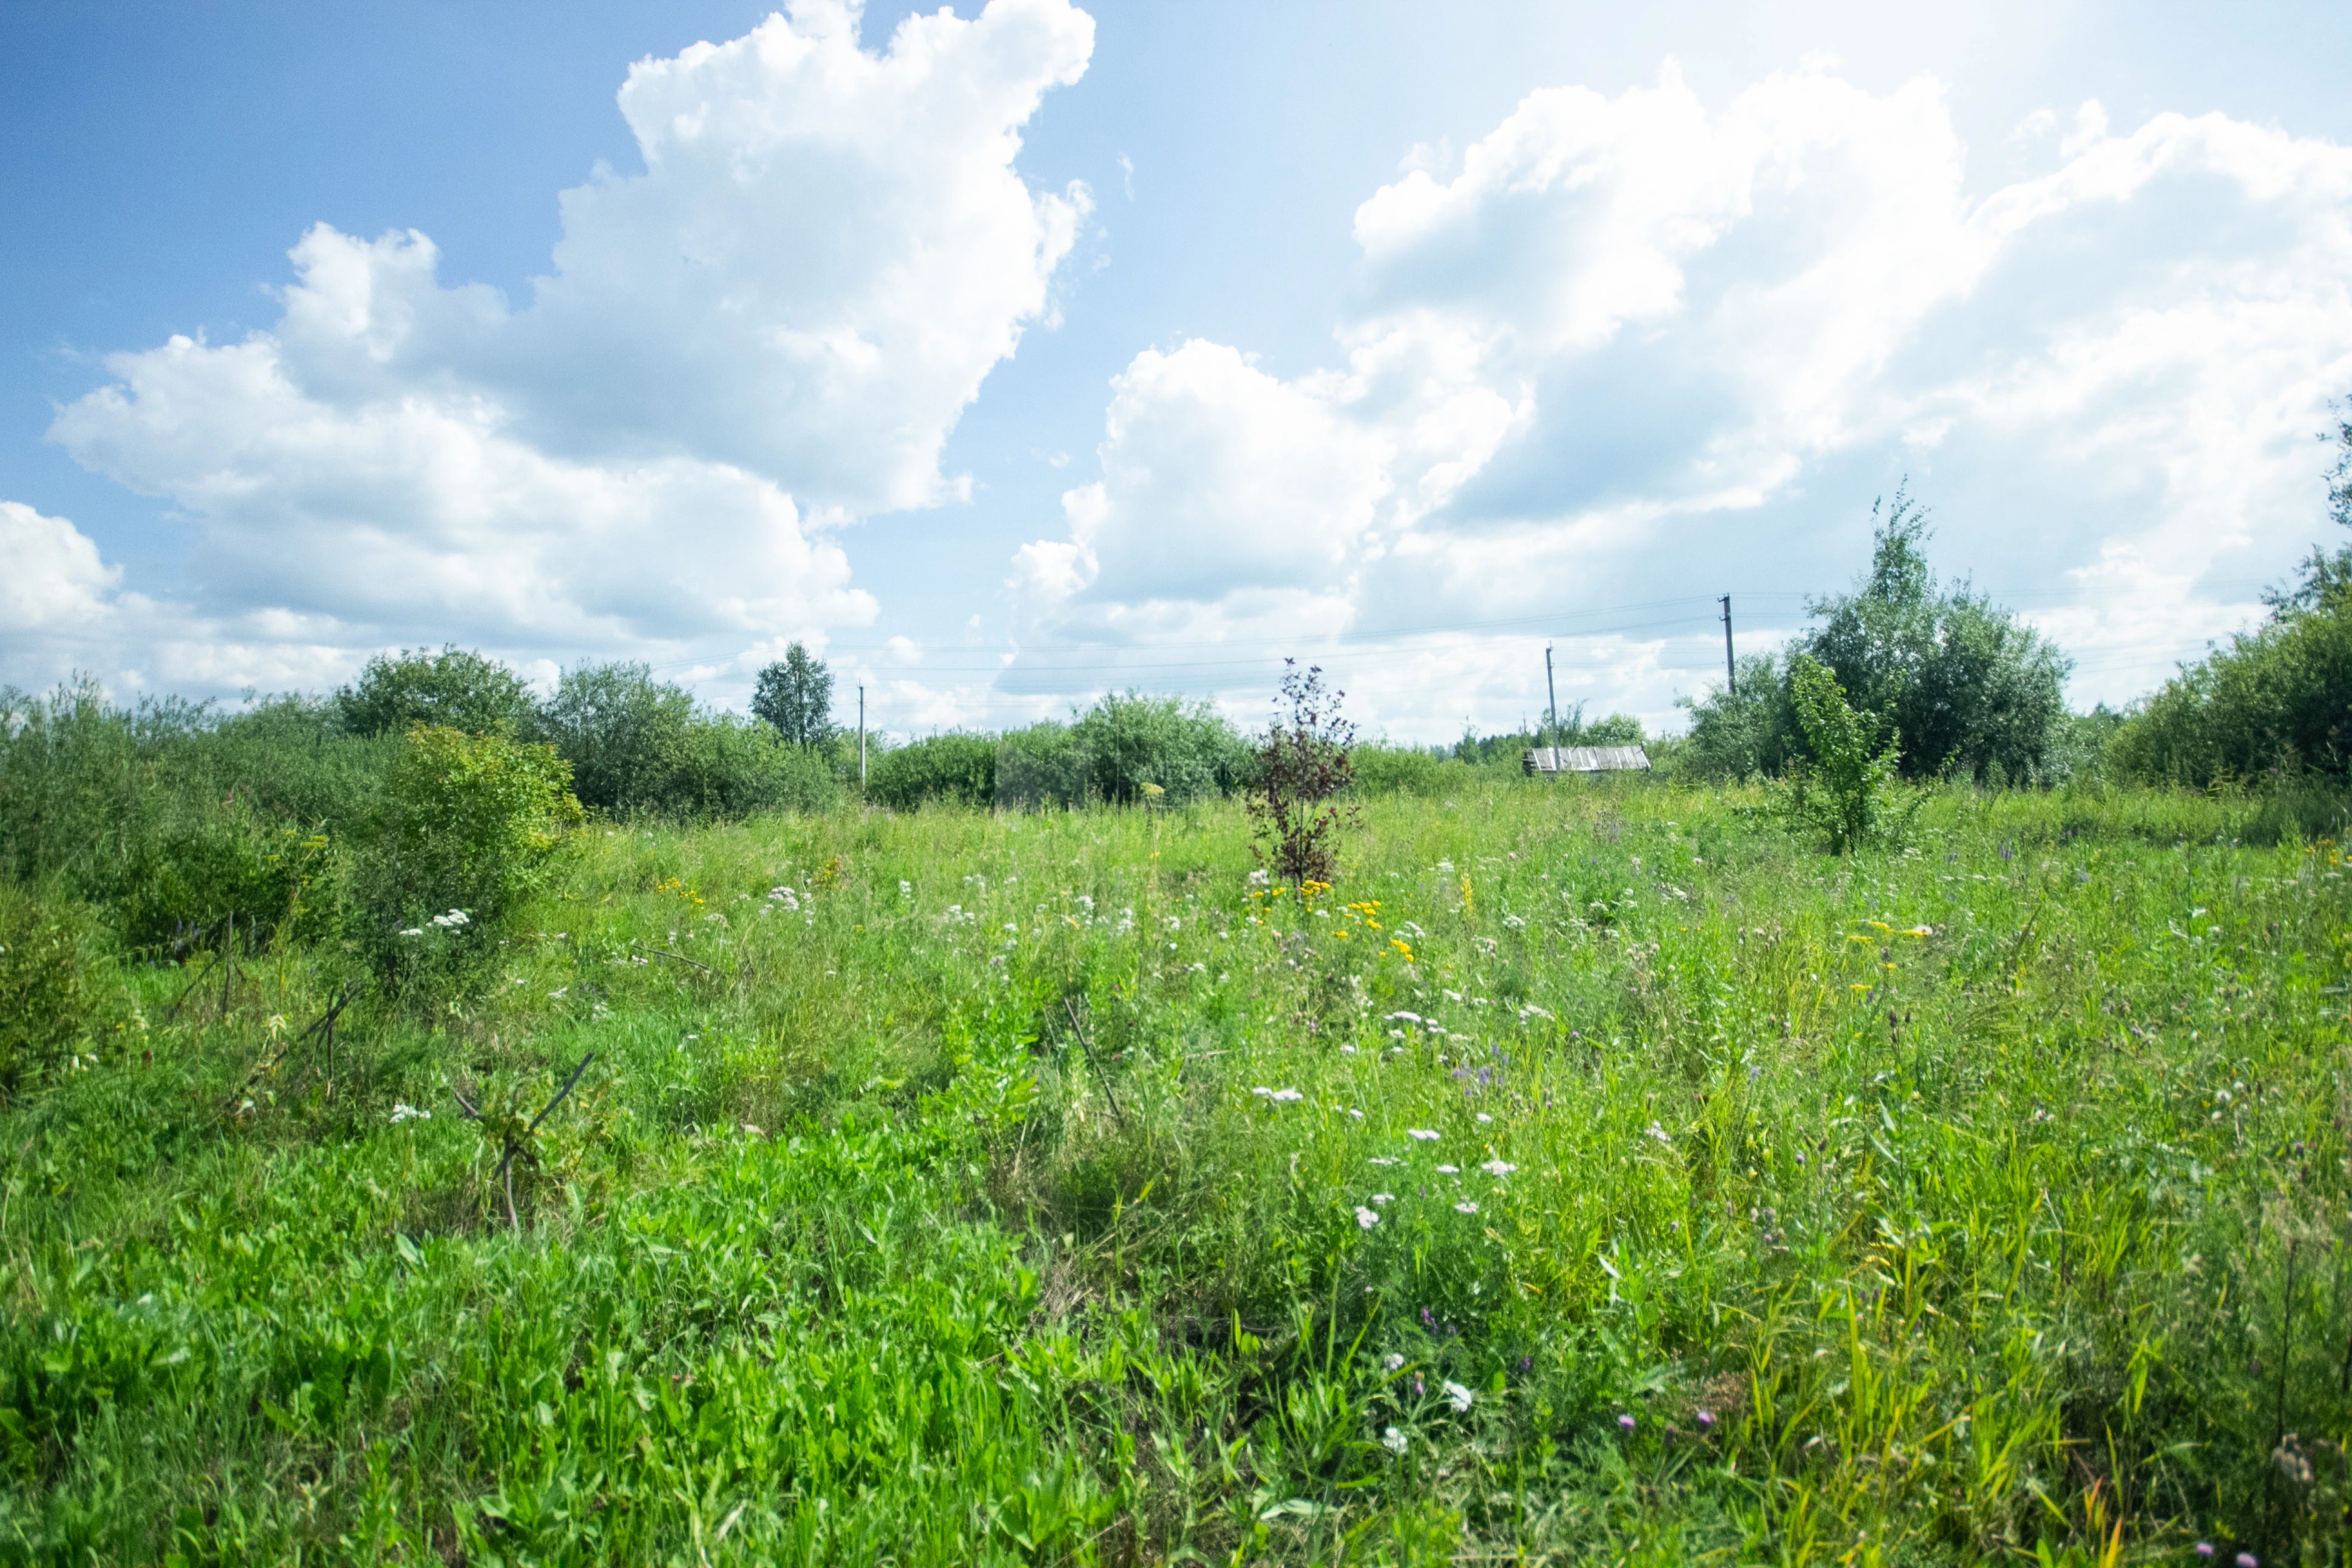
(1967, 687)
(795, 695)
(1302, 764)
(455, 687)
(617, 726)
(953, 767)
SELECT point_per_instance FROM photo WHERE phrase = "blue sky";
(1026, 352)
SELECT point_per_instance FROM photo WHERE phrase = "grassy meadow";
(1593, 1173)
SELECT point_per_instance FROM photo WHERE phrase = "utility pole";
(1551, 695)
(861, 736)
(1730, 671)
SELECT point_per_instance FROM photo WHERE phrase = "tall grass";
(1592, 1173)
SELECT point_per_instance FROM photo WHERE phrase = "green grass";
(1975, 1202)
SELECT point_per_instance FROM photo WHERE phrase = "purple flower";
(1526, 1362)
(1705, 1417)
(2204, 1549)
(1626, 1422)
(2248, 1560)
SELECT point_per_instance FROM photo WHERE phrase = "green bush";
(2276, 701)
(1043, 765)
(1405, 770)
(471, 824)
(1844, 794)
(50, 992)
(1966, 688)
(456, 686)
(638, 746)
(955, 767)
(1188, 751)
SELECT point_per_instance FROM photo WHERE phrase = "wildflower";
(1402, 1018)
(2204, 1549)
(1706, 1419)
(1483, 1117)
(2248, 1560)
(1258, 879)
(1421, 1134)
(905, 888)
(1384, 1197)
(1355, 1113)
(1366, 1218)
(414, 931)
(557, 995)
(1344, 1050)
(1392, 1362)
(404, 1112)
(1465, 1206)
(1498, 1167)
(1449, 1170)
(1392, 1440)
(1460, 1397)
(1386, 1159)
(1626, 1422)
(1658, 1133)
(1284, 1096)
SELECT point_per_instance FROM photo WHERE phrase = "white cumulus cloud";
(1638, 348)
(771, 329)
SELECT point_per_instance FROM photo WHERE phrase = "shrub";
(1844, 792)
(1403, 770)
(2277, 701)
(1965, 685)
(456, 686)
(956, 767)
(1188, 751)
(1043, 765)
(720, 765)
(49, 990)
(1302, 764)
(471, 823)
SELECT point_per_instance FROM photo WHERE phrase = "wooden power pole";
(1730, 671)
(1551, 695)
(861, 736)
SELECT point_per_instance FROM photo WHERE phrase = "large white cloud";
(772, 329)
(1632, 348)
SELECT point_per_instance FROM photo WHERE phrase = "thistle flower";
(1626, 1422)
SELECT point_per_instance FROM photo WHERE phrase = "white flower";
(1461, 1397)
(1384, 1197)
(1498, 1167)
(1483, 1117)
(1258, 879)
(1262, 1089)
(1465, 1206)
(1365, 1217)
(1454, 995)
(1402, 1018)
(458, 918)
(557, 995)
(404, 1112)
(1658, 1133)
(1392, 1363)
(1344, 1050)
(1392, 1440)
(1386, 1159)
(1421, 1134)
(1449, 1170)
(1445, 865)
(414, 931)
(1514, 922)
(1284, 1096)
(1354, 1112)
(905, 888)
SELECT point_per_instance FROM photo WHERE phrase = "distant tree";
(620, 730)
(1967, 687)
(795, 695)
(456, 688)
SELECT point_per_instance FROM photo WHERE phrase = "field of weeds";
(1591, 1174)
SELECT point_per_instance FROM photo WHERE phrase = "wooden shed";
(1586, 760)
